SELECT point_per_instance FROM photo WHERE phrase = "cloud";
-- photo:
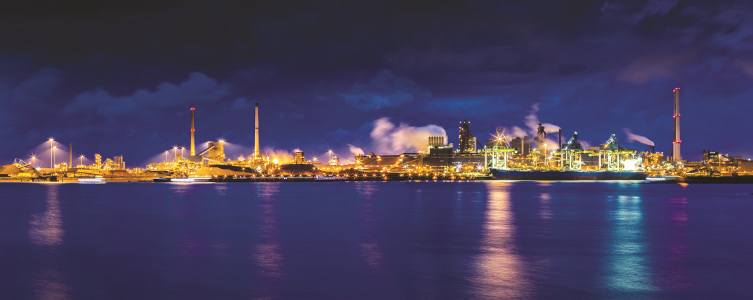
(389, 138)
(384, 90)
(198, 88)
(645, 69)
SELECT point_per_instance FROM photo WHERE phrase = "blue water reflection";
(376, 240)
(628, 269)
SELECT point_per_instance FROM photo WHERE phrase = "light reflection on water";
(46, 230)
(369, 245)
(500, 272)
(677, 247)
(483, 240)
(628, 270)
(268, 254)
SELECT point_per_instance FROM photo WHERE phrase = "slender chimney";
(193, 130)
(70, 156)
(256, 131)
(676, 143)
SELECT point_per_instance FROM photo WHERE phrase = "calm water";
(376, 240)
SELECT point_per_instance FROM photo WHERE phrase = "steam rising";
(532, 121)
(637, 138)
(355, 150)
(281, 155)
(389, 138)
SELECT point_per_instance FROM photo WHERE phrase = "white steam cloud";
(389, 138)
(637, 138)
(355, 150)
(532, 121)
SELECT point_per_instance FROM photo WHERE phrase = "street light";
(52, 162)
(181, 151)
(175, 152)
(82, 160)
(166, 156)
(33, 158)
(53, 156)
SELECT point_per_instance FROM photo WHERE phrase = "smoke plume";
(389, 138)
(355, 150)
(282, 156)
(532, 121)
(637, 138)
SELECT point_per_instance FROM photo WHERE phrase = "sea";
(376, 240)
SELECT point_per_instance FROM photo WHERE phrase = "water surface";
(375, 240)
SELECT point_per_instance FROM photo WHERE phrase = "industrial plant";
(502, 157)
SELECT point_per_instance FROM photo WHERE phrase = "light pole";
(181, 151)
(175, 152)
(53, 156)
(33, 158)
(52, 163)
(166, 156)
(82, 160)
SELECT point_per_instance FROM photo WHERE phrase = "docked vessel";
(566, 175)
(192, 179)
(92, 180)
(329, 178)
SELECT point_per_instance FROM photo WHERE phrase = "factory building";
(522, 146)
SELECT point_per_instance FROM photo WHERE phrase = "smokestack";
(256, 131)
(70, 155)
(676, 143)
(193, 139)
(559, 140)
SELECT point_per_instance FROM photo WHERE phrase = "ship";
(566, 175)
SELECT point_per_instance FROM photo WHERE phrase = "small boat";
(92, 180)
(329, 178)
(182, 180)
(192, 179)
(662, 178)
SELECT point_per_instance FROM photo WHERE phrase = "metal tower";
(256, 135)
(676, 156)
(193, 140)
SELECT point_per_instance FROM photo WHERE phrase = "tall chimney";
(70, 156)
(676, 143)
(256, 131)
(193, 140)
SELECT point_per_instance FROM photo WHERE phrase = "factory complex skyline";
(405, 139)
(118, 78)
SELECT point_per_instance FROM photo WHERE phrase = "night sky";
(118, 78)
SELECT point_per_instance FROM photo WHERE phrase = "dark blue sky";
(119, 78)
